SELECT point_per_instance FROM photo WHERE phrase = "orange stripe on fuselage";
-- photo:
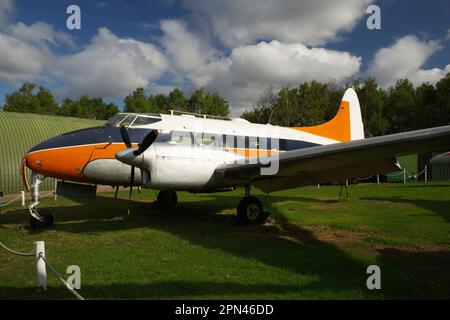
(67, 163)
(251, 153)
(337, 128)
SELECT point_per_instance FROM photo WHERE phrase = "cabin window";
(116, 120)
(229, 141)
(142, 121)
(128, 120)
(181, 137)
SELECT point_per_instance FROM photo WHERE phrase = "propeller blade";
(146, 143)
(131, 182)
(125, 136)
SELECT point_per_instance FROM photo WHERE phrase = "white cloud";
(431, 76)
(110, 67)
(6, 9)
(192, 59)
(39, 33)
(290, 63)
(404, 59)
(19, 61)
(248, 70)
(244, 22)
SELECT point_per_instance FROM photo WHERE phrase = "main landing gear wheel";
(46, 221)
(167, 199)
(250, 210)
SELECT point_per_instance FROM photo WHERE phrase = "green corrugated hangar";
(21, 131)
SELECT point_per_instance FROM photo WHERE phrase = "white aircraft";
(200, 154)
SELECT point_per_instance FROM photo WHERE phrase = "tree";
(443, 100)
(86, 107)
(207, 103)
(162, 103)
(428, 113)
(401, 106)
(139, 102)
(264, 109)
(372, 101)
(26, 100)
(176, 100)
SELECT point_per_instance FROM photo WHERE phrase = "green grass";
(314, 246)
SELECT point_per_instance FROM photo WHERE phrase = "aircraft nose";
(127, 156)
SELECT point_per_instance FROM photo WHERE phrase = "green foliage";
(27, 100)
(207, 103)
(400, 108)
(31, 99)
(372, 100)
(86, 107)
(139, 102)
(199, 102)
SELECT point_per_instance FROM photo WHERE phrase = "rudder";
(346, 126)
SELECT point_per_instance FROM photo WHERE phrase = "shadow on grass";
(157, 290)
(438, 207)
(284, 245)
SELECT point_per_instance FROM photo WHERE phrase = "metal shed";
(19, 132)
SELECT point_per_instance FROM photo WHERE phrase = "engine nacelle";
(184, 167)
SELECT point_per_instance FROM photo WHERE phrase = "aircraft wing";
(337, 162)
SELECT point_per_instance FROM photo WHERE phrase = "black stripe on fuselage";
(108, 134)
(94, 135)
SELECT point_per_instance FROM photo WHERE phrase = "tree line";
(31, 98)
(402, 107)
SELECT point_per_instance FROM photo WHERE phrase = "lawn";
(313, 246)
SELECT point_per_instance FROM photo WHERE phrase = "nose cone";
(127, 156)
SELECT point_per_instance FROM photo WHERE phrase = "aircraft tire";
(36, 224)
(250, 210)
(167, 199)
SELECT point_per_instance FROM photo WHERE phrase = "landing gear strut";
(167, 199)
(38, 220)
(250, 209)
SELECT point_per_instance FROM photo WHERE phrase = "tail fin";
(347, 125)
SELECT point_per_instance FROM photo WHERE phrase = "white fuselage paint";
(192, 167)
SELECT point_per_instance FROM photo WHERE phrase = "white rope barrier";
(393, 175)
(16, 252)
(60, 278)
(365, 178)
(22, 196)
(41, 262)
(8, 203)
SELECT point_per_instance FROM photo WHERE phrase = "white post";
(426, 174)
(404, 176)
(41, 274)
(378, 179)
(22, 193)
(318, 186)
(54, 191)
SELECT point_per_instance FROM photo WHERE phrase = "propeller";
(144, 145)
(125, 136)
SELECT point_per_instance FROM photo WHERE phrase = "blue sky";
(236, 48)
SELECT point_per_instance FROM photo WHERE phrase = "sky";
(235, 48)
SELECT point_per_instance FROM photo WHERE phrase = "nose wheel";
(38, 221)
